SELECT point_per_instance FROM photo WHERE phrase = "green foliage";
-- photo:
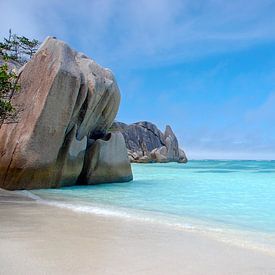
(7, 80)
(8, 86)
(29, 47)
(6, 109)
(18, 48)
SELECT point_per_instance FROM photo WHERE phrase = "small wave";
(107, 211)
(226, 235)
(28, 194)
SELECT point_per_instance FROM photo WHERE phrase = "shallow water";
(216, 196)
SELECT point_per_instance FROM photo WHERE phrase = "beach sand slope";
(42, 239)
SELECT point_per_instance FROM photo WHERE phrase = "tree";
(28, 47)
(18, 48)
(8, 86)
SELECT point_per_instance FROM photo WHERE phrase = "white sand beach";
(42, 239)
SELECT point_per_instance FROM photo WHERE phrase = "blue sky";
(207, 68)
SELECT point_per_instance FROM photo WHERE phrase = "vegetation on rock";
(18, 49)
(8, 86)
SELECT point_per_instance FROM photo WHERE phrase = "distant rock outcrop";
(68, 102)
(146, 143)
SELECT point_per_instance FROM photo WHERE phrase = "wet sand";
(42, 239)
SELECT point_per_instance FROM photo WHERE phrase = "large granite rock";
(146, 143)
(67, 99)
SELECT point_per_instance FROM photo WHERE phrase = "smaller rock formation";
(106, 161)
(146, 143)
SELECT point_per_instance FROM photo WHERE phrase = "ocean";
(233, 201)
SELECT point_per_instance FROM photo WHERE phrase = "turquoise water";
(236, 195)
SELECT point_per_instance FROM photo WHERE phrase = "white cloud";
(147, 32)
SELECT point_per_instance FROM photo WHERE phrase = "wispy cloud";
(144, 32)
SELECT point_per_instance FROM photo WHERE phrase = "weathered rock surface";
(67, 99)
(146, 143)
(106, 161)
(171, 144)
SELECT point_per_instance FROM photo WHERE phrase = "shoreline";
(219, 232)
(43, 239)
